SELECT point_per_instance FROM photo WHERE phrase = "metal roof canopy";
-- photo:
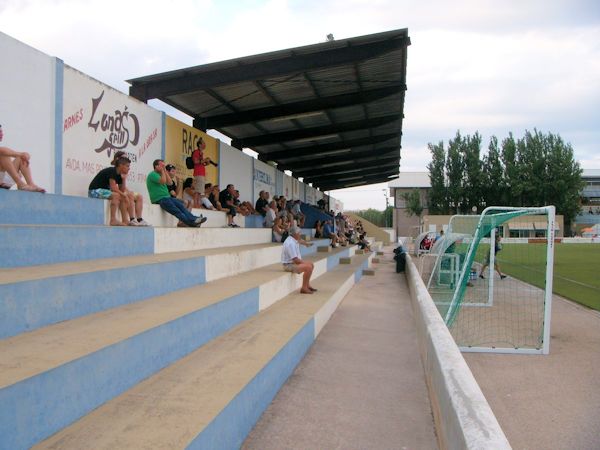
(331, 112)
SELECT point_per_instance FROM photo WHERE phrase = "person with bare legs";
(15, 169)
(106, 185)
(292, 260)
(497, 248)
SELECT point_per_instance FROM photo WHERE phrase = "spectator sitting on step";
(157, 182)
(328, 233)
(176, 187)
(262, 203)
(281, 202)
(204, 200)
(297, 212)
(188, 193)
(15, 169)
(318, 229)
(214, 197)
(363, 244)
(342, 239)
(110, 184)
(244, 208)
(135, 199)
(292, 260)
(227, 202)
(270, 215)
(280, 229)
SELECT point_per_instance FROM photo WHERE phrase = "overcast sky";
(492, 66)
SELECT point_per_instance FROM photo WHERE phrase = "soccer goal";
(490, 277)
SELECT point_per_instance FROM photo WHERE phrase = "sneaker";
(502, 277)
(481, 276)
(143, 223)
(234, 225)
(134, 223)
(200, 220)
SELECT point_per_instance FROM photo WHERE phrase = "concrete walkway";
(361, 386)
(553, 401)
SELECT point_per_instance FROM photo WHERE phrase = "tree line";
(537, 170)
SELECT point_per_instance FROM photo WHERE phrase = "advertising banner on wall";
(180, 142)
(99, 121)
(264, 179)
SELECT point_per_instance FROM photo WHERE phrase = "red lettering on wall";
(73, 119)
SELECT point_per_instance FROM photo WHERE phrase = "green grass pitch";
(576, 269)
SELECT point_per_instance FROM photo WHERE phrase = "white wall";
(236, 168)
(463, 417)
(288, 182)
(264, 179)
(99, 121)
(295, 189)
(310, 195)
(27, 106)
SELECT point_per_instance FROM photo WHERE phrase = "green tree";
(492, 172)
(455, 168)
(511, 185)
(563, 178)
(438, 201)
(374, 216)
(473, 176)
(413, 203)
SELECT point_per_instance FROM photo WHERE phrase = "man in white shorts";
(292, 260)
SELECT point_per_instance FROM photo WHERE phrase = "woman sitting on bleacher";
(280, 229)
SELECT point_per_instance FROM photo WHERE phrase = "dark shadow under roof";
(331, 112)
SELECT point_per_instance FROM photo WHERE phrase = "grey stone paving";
(361, 386)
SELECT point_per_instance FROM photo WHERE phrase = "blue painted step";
(19, 207)
(41, 404)
(37, 407)
(31, 304)
(28, 245)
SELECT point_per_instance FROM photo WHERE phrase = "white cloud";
(474, 65)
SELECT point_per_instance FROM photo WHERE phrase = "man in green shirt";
(157, 182)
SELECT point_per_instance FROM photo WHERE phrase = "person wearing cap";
(157, 182)
(108, 184)
(135, 200)
(292, 259)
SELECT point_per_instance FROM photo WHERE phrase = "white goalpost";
(505, 308)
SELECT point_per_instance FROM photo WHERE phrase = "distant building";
(404, 184)
(590, 201)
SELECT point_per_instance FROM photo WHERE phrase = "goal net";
(490, 277)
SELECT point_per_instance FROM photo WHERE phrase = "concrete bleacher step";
(19, 207)
(103, 354)
(42, 295)
(29, 245)
(212, 397)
